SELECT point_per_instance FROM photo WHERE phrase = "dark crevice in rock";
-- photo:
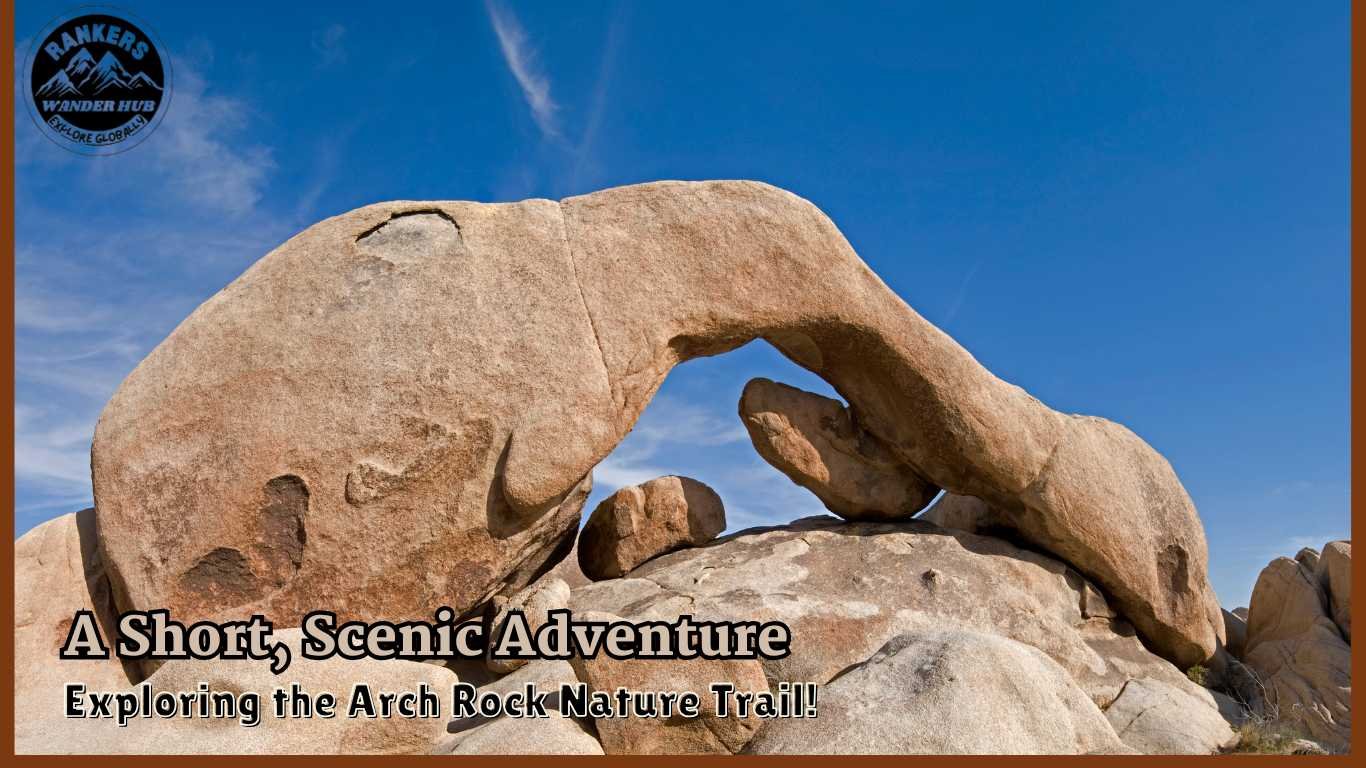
(403, 214)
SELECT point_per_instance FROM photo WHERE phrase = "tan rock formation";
(962, 513)
(1235, 634)
(397, 404)
(1157, 718)
(910, 576)
(639, 522)
(535, 602)
(1335, 577)
(948, 692)
(57, 572)
(816, 442)
(1299, 653)
(707, 734)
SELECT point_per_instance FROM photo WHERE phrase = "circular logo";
(98, 83)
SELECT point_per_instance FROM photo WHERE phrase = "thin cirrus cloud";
(329, 45)
(682, 436)
(668, 425)
(520, 57)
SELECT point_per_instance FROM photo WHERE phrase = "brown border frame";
(7, 282)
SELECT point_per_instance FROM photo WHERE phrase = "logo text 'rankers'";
(109, 34)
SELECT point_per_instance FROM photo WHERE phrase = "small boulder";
(948, 692)
(706, 734)
(1159, 719)
(815, 441)
(535, 602)
(58, 571)
(639, 522)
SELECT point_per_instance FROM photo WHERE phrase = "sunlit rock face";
(398, 408)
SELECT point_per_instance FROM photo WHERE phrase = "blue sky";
(1138, 211)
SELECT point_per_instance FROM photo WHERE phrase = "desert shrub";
(1259, 736)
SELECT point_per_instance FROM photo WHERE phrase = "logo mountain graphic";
(81, 63)
(58, 85)
(83, 76)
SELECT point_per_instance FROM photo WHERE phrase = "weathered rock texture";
(948, 692)
(397, 404)
(57, 572)
(535, 602)
(338, 735)
(816, 442)
(1298, 652)
(708, 733)
(1335, 578)
(639, 522)
(1156, 718)
(846, 589)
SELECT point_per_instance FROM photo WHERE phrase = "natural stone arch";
(473, 367)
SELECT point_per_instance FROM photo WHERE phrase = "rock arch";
(479, 380)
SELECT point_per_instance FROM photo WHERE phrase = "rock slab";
(816, 442)
(847, 589)
(948, 692)
(709, 733)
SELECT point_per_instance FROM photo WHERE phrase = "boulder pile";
(1299, 643)
(401, 408)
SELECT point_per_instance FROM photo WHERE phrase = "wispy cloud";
(37, 310)
(198, 155)
(1291, 487)
(585, 155)
(962, 293)
(157, 230)
(55, 450)
(197, 160)
(329, 43)
(679, 421)
(669, 429)
(521, 59)
(706, 441)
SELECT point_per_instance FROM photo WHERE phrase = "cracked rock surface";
(1157, 718)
